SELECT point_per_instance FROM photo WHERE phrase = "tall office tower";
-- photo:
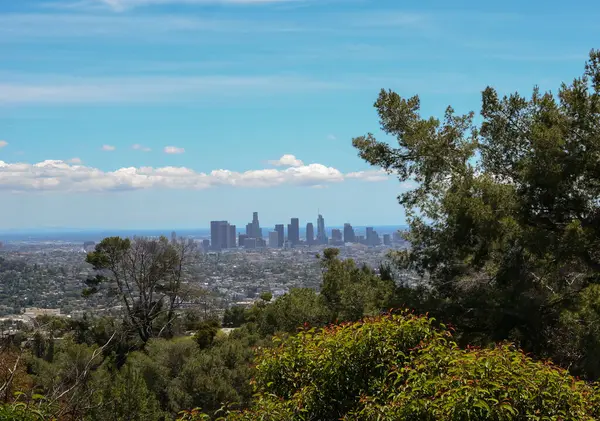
(387, 239)
(336, 236)
(173, 237)
(280, 230)
(397, 237)
(205, 245)
(273, 239)
(321, 234)
(241, 239)
(372, 237)
(310, 234)
(349, 235)
(231, 234)
(223, 235)
(256, 231)
(369, 236)
(218, 234)
(294, 231)
(261, 242)
(249, 229)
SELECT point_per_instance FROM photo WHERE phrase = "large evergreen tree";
(505, 218)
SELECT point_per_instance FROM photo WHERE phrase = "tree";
(504, 216)
(146, 275)
(402, 367)
(351, 292)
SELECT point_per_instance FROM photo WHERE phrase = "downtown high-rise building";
(310, 234)
(336, 237)
(294, 231)
(231, 234)
(372, 237)
(253, 229)
(281, 234)
(219, 232)
(273, 239)
(349, 235)
(321, 234)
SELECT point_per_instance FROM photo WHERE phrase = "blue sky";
(172, 113)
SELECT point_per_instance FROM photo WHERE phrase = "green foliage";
(401, 367)
(266, 296)
(123, 396)
(234, 316)
(504, 217)
(206, 332)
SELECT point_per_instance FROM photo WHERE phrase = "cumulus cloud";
(3, 143)
(76, 161)
(108, 148)
(173, 150)
(287, 160)
(139, 147)
(54, 175)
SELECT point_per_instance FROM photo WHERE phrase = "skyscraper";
(256, 231)
(310, 234)
(281, 234)
(219, 231)
(231, 234)
(372, 237)
(321, 234)
(273, 239)
(349, 235)
(336, 236)
(294, 231)
(387, 240)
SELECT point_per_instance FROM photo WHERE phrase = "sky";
(136, 114)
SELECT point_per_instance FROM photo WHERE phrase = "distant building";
(250, 243)
(261, 243)
(387, 240)
(206, 245)
(349, 235)
(281, 235)
(173, 237)
(372, 237)
(397, 237)
(232, 233)
(242, 239)
(219, 232)
(294, 231)
(273, 239)
(336, 237)
(321, 234)
(310, 234)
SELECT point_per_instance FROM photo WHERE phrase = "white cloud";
(108, 148)
(332, 137)
(3, 143)
(76, 161)
(139, 147)
(173, 150)
(52, 175)
(369, 175)
(287, 160)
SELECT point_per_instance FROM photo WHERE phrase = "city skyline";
(223, 235)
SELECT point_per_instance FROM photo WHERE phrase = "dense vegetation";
(505, 235)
